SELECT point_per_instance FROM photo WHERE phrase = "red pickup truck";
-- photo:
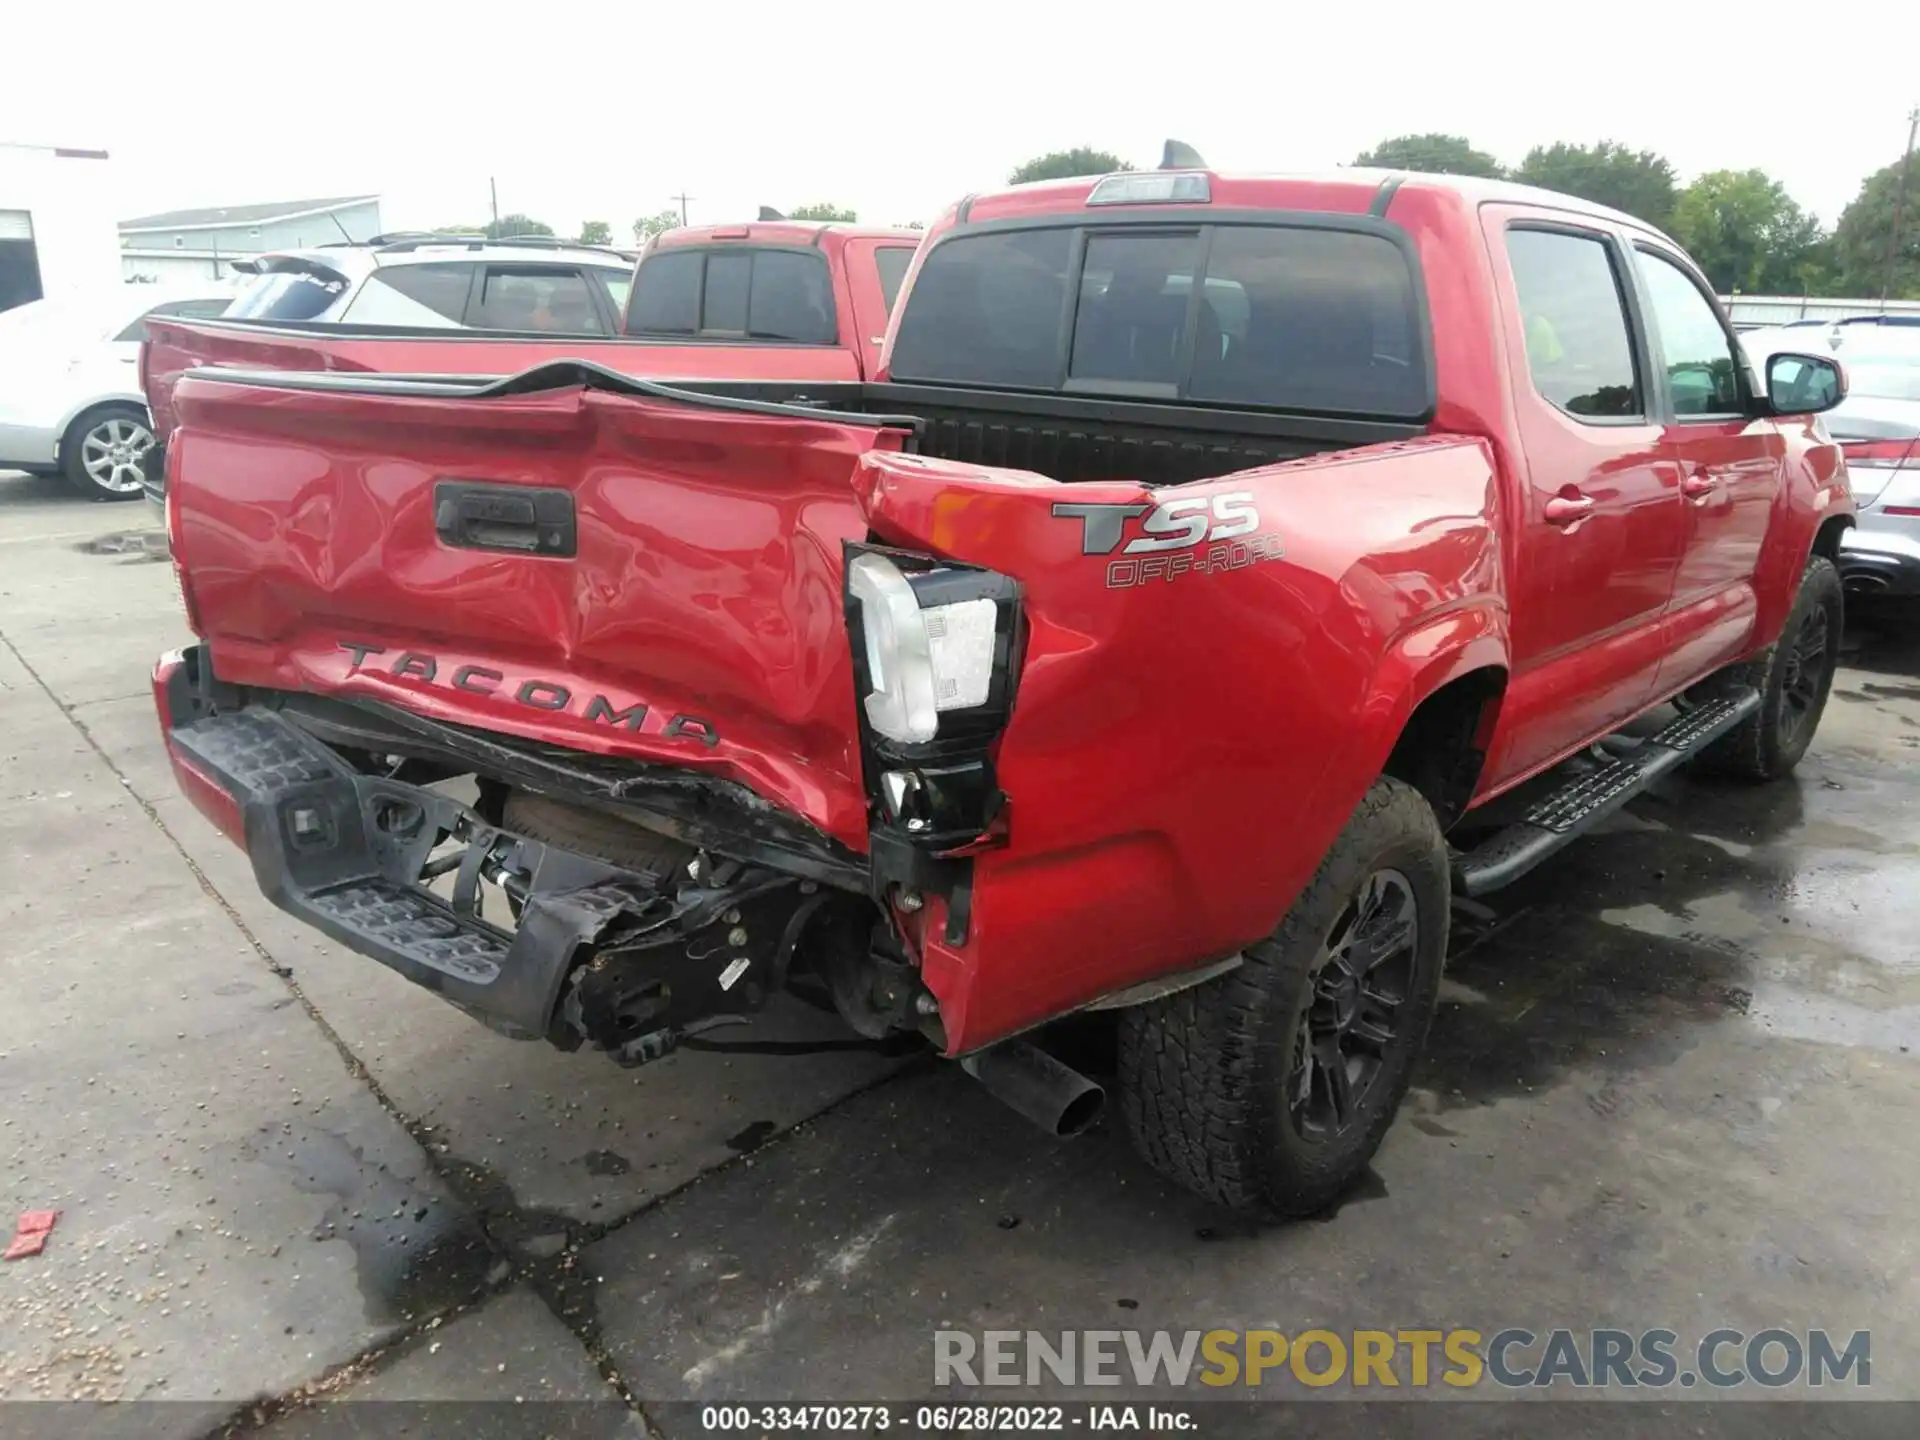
(1209, 553)
(777, 299)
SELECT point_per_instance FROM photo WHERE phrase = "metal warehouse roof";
(215, 218)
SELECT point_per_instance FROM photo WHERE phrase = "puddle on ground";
(137, 547)
(415, 1253)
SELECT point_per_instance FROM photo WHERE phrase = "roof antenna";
(767, 212)
(1181, 156)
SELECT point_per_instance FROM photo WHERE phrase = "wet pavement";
(1671, 1084)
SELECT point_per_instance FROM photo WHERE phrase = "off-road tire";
(589, 832)
(1203, 1073)
(1758, 748)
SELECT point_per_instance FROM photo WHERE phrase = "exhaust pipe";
(1057, 1098)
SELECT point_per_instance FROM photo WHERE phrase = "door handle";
(1698, 483)
(1566, 509)
(508, 518)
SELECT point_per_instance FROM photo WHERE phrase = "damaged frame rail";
(628, 961)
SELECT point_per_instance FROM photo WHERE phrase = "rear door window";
(1288, 317)
(431, 296)
(892, 262)
(540, 298)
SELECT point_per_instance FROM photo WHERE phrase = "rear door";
(1600, 527)
(1726, 463)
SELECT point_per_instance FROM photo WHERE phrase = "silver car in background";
(1878, 427)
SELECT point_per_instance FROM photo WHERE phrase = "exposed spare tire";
(593, 832)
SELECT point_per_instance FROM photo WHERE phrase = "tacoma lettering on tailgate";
(531, 691)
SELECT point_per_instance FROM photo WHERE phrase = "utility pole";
(1899, 206)
(683, 198)
(493, 188)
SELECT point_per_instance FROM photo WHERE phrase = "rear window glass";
(986, 310)
(759, 293)
(729, 278)
(303, 294)
(1287, 316)
(666, 294)
(892, 262)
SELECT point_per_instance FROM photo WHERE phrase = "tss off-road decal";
(1171, 537)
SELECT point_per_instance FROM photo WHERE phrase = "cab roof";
(1349, 191)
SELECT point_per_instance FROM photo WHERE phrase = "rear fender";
(1213, 675)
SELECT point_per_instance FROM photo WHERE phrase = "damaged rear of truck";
(1099, 659)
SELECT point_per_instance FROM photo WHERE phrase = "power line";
(683, 198)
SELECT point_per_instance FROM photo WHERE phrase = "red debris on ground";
(30, 1234)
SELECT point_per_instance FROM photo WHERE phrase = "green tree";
(1746, 232)
(1637, 181)
(1434, 154)
(508, 225)
(823, 211)
(1068, 165)
(648, 226)
(1861, 241)
(596, 232)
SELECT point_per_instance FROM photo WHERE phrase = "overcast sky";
(606, 111)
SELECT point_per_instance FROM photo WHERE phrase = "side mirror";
(1804, 384)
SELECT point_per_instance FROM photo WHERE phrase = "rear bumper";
(1880, 561)
(345, 852)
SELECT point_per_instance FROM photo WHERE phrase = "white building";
(56, 222)
(202, 244)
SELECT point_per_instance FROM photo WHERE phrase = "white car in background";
(1878, 427)
(70, 401)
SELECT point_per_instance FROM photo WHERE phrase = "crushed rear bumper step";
(359, 858)
(1584, 802)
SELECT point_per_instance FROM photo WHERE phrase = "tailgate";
(175, 347)
(611, 573)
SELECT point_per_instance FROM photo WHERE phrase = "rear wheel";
(102, 451)
(1793, 676)
(1269, 1088)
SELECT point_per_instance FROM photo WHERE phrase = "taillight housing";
(936, 652)
(1900, 454)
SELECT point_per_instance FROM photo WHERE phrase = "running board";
(1583, 803)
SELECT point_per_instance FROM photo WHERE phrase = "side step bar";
(1583, 803)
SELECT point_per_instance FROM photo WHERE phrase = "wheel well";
(1827, 541)
(1444, 744)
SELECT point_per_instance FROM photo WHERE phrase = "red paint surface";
(1181, 752)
